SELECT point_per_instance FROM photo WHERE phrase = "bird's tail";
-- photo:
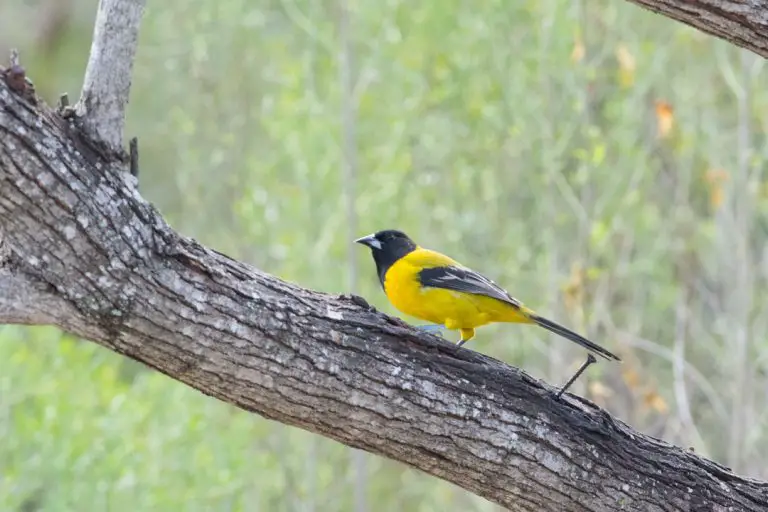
(569, 334)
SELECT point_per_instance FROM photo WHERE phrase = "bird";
(431, 286)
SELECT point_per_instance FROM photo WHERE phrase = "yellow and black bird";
(433, 287)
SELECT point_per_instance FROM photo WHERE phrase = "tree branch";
(741, 22)
(101, 108)
(23, 301)
(105, 266)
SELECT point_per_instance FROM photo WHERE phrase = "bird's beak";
(370, 240)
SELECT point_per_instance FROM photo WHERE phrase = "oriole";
(433, 287)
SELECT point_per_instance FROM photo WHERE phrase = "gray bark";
(101, 108)
(741, 22)
(83, 251)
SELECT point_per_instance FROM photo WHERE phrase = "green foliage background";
(521, 137)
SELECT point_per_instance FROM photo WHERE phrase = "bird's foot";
(432, 328)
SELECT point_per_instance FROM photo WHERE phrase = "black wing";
(465, 280)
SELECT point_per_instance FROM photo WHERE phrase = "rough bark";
(741, 22)
(107, 84)
(83, 251)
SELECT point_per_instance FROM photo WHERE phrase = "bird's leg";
(590, 360)
(466, 335)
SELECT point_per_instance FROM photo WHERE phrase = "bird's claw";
(431, 328)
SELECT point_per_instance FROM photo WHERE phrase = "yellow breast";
(454, 310)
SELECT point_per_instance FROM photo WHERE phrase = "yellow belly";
(454, 310)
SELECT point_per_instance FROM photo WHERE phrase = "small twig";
(64, 109)
(15, 75)
(134, 151)
(590, 360)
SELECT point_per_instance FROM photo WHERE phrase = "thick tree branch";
(25, 301)
(18, 297)
(101, 108)
(741, 22)
(111, 270)
(19, 300)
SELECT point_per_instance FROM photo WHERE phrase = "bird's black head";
(387, 247)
